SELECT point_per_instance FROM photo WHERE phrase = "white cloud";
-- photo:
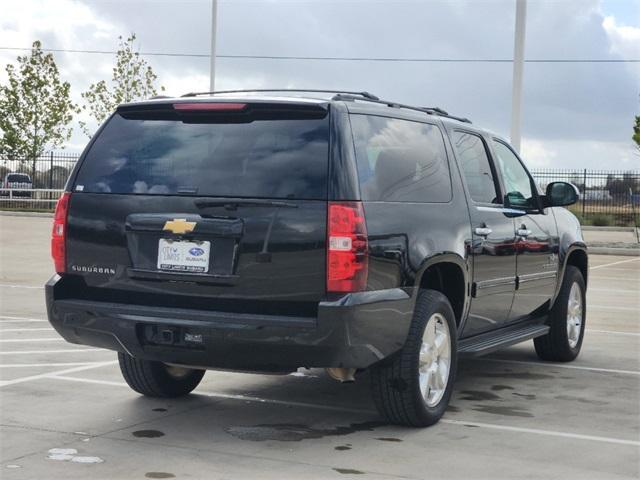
(538, 154)
(579, 154)
(624, 40)
(63, 24)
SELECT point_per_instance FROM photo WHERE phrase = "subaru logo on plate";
(196, 252)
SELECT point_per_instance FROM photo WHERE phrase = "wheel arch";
(448, 274)
(576, 255)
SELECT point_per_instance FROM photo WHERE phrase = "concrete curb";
(9, 213)
(625, 252)
(590, 228)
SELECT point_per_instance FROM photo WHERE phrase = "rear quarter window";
(400, 160)
(275, 158)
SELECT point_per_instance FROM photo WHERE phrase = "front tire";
(566, 319)
(156, 379)
(413, 387)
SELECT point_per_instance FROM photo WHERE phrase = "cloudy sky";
(575, 115)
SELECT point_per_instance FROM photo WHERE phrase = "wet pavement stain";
(159, 409)
(389, 439)
(580, 400)
(499, 388)
(477, 395)
(349, 471)
(527, 396)
(502, 410)
(516, 375)
(287, 432)
(159, 475)
(342, 448)
(148, 433)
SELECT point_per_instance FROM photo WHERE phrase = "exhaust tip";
(342, 375)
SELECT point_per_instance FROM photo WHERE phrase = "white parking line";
(593, 277)
(614, 290)
(221, 395)
(552, 433)
(634, 271)
(614, 263)
(4, 285)
(7, 319)
(47, 329)
(30, 340)
(61, 372)
(27, 320)
(245, 398)
(610, 307)
(612, 332)
(37, 352)
(559, 365)
(36, 365)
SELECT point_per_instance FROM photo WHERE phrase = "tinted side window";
(515, 178)
(476, 168)
(400, 161)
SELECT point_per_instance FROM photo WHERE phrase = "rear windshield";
(271, 158)
(18, 178)
(400, 160)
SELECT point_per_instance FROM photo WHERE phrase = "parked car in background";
(341, 231)
(20, 183)
(597, 195)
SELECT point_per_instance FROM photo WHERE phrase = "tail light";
(59, 233)
(347, 254)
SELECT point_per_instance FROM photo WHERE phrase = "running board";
(491, 341)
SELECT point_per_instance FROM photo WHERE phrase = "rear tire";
(412, 388)
(156, 379)
(566, 319)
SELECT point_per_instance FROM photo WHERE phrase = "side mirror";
(561, 194)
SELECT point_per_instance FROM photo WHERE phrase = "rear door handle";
(483, 231)
(523, 232)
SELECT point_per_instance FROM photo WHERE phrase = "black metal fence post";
(584, 192)
(51, 171)
(633, 212)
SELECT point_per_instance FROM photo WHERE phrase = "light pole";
(212, 61)
(518, 67)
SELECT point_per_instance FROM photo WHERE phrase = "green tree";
(636, 131)
(132, 79)
(35, 107)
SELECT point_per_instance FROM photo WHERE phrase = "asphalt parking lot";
(511, 416)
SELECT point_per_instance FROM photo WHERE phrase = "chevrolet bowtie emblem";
(179, 226)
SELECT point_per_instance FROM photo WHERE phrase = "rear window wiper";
(234, 203)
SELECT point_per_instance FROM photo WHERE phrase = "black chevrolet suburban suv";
(268, 231)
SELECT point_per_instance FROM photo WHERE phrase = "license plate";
(179, 256)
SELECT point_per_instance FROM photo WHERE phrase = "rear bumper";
(354, 331)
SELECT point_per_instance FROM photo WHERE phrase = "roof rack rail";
(366, 95)
(428, 110)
